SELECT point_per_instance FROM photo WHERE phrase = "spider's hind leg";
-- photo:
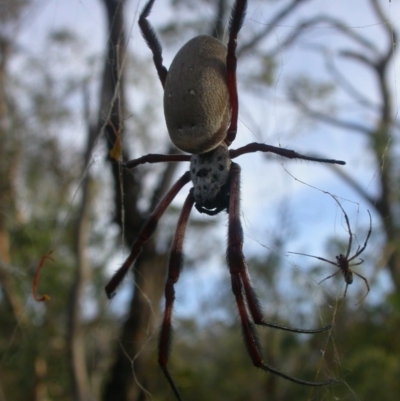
(174, 268)
(239, 281)
(255, 308)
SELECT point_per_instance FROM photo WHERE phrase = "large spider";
(343, 261)
(201, 112)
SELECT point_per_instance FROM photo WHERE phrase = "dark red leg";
(237, 270)
(156, 158)
(255, 309)
(290, 154)
(145, 233)
(174, 268)
(152, 41)
(235, 23)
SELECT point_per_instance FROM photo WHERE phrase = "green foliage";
(208, 359)
(311, 89)
(266, 74)
(34, 357)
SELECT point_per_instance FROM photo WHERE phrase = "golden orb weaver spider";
(201, 113)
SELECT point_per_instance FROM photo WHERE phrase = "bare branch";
(353, 184)
(274, 21)
(327, 119)
(346, 85)
(75, 338)
(333, 23)
(392, 37)
(357, 56)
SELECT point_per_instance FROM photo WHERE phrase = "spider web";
(262, 118)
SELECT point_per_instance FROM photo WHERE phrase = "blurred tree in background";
(60, 191)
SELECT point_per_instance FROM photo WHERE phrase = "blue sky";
(264, 117)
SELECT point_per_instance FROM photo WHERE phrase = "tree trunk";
(9, 153)
(127, 380)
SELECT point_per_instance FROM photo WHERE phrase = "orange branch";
(44, 297)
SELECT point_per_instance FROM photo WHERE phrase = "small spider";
(201, 112)
(343, 261)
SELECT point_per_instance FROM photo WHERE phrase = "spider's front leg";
(156, 158)
(152, 41)
(241, 284)
(174, 268)
(290, 154)
(235, 24)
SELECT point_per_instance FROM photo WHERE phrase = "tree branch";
(333, 23)
(327, 119)
(270, 26)
(353, 184)
(75, 338)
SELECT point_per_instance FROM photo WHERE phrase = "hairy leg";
(238, 270)
(152, 41)
(174, 268)
(145, 234)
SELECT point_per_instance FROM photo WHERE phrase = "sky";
(266, 185)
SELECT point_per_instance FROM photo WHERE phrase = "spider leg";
(332, 275)
(345, 291)
(290, 154)
(236, 264)
(156, 158)
(315, 257)
(366, 283)
(360, 251)
(235, 24)
(152, 41)
(255, 308)
(174, 268)
(349, 231)
(145, 233)
(358, 263)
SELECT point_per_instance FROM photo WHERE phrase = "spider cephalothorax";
(209, 173)
(343, 263)
(201, 112)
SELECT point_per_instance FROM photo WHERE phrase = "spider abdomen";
(196, 98)
(209, 173)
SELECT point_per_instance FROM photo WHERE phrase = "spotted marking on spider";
(209, 173)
